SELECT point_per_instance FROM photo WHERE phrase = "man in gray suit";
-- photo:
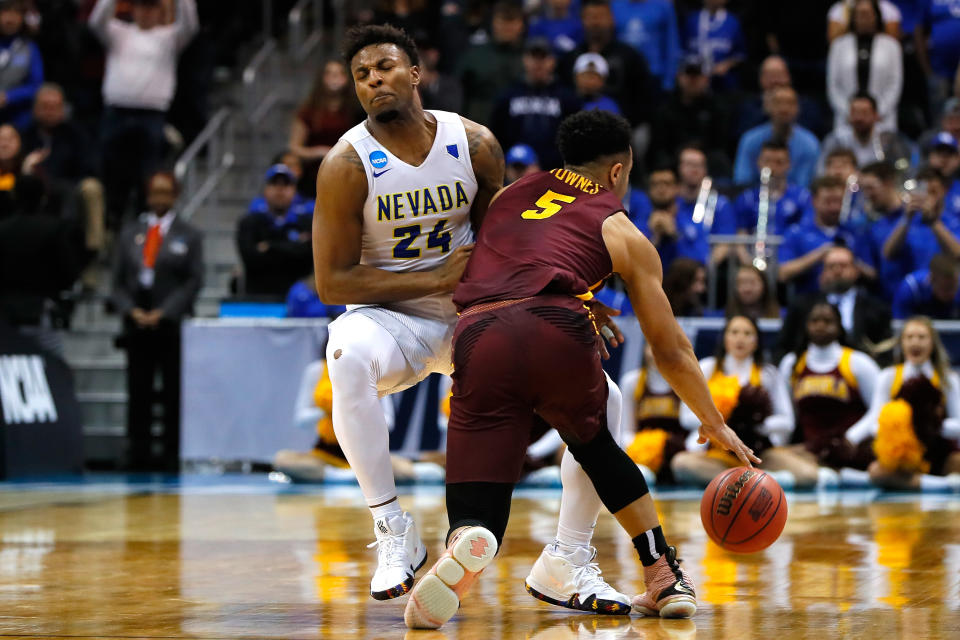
(157, 274)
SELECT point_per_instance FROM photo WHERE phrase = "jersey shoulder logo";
(452, 150)
(378, 159)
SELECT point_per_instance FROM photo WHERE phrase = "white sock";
(368, 355)
(579, 503)
(388, 510)
(854, 477)
(933, 483)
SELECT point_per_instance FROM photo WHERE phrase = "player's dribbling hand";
(450, 271)
(727, 439)
(602, 317)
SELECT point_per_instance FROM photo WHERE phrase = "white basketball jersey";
(415, 216)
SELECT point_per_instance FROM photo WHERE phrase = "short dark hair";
(774, 144)
(884, 171)
(944, 265)
(587, 136)
(509, 9)
(841, 152)
(359, 37)
(826, 182)
(169, 175)
(594, 3)
(863, 95)
(928, 173)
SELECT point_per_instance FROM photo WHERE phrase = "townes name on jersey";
(421, 202)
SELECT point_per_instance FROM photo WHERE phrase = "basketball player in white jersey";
(398, 198)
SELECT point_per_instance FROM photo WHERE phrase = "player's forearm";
(362, 284)
(680, 368)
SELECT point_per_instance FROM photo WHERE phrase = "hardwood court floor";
(241, 558)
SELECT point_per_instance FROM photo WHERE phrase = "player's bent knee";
(614, 475)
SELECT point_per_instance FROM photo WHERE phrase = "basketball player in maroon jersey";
(525, 347)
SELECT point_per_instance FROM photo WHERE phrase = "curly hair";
(359, 37)
(587, 136)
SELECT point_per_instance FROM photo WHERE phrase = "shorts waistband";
(492, 306)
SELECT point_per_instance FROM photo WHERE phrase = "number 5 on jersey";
(550, 204)
(438, 239)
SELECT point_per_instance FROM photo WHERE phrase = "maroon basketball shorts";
(515, 367)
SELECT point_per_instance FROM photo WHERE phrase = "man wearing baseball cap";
(521, 160)
(943, 154)
(274, 237)
(590, 71)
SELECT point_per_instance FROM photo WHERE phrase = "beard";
(387, 116)
(661, 205)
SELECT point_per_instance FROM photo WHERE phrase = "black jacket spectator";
(274, 241)
(871, 323)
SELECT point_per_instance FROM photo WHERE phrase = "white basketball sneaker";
(437, 596)
(570, 578)
(400, 554)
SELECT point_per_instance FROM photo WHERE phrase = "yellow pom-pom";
(647, 448)
(896, 445)
(725, 391)
(445, 404)
(323, 399)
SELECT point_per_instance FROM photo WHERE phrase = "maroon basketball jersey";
(541, 235)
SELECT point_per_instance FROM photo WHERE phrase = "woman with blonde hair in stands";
(915, 414)
(755, 404)
(751, 295)
(831, 385)
(650, 428)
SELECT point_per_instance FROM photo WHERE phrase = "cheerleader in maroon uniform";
(915, 415)
(831, 385)
(757, 407)
(650, 424)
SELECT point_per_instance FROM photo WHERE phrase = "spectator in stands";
(638, 206)
(841, 15)
(438, 90)
(943, 154)
(590, 73)
(831, 385)
(773, 75)
(722, 219)
(58, 151)
(303, 301)
(878, 184)
(530, 112)
(865, 319)
(328, 112)
(11, 163)
(157, 274)
(685, 283)
(21, 73)
(138, 87)
(924, 230)
(949, 122)
(863, 136)
(521, 160)
(803, 146)
(559, 24)
(752, 295)
(865, 61)
(789, 203)
(295, 164)
(691, 115)
(714, 35)
(673, 235)
(922, 378)
(486, 70)
(841, 163)
(629, 81)
(650, 27)
(274, 243)
(807, 243)
(41, 256)
(933, 291)
(938, 47)
(762, 413)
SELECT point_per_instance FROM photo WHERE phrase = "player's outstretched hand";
(450, 271)
(727, 439)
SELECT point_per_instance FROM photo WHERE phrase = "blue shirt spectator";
(806, 243)
(890, 271)
(650, 27)
(590, 71)
(559, 24)
(941, 18)
(615, 299)
(638, 206)
(910, 13)
(792, 207)
(303, 302)
(674, 235)
(803, 146)
(932, 292)
(21, 68)
(714, 35)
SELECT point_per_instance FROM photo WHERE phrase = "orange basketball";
(743, 510)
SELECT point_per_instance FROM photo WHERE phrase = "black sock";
(650, 545)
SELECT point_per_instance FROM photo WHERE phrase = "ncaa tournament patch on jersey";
(378, 160)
